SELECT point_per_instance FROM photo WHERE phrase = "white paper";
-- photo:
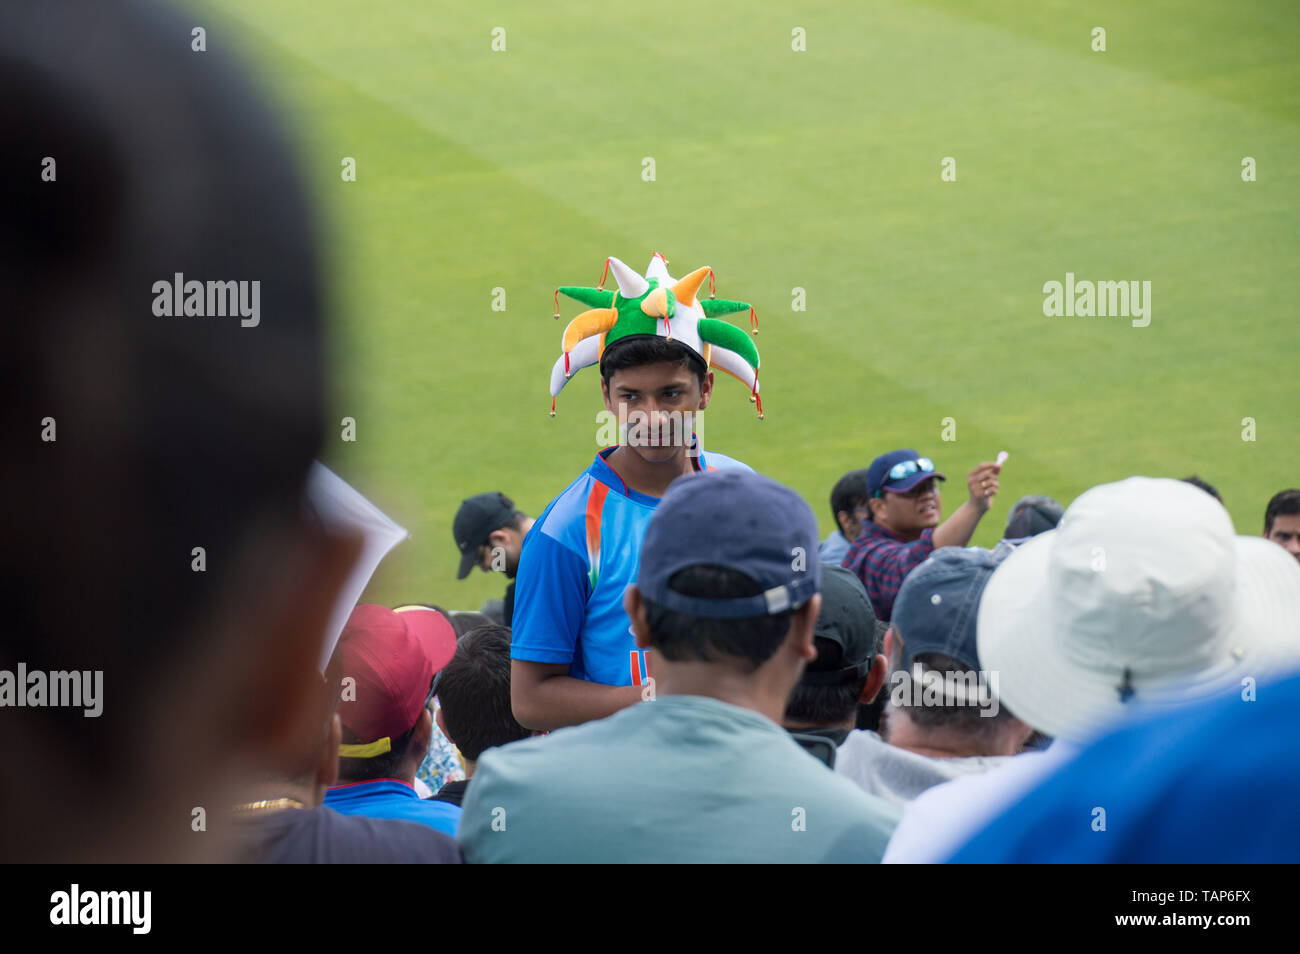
(341, 508)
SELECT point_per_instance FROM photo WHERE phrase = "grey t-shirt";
(898, 775)
(679, 779)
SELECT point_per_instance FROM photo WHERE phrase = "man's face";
(911, 512)
(1286, 533)
(655, 405)
(501, 553)
(851, 521)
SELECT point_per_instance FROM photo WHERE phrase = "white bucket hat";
(1142, 596)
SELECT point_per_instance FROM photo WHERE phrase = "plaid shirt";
(881, 560)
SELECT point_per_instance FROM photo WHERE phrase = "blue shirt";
(575, 563)
(1211, 784)
(390, 798)
(833, 548)
(680, 779)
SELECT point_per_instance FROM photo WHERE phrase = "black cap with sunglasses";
(899, 471)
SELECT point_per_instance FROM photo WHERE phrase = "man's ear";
(803, 624)
(842, 519)
(877, 507)
(442, 726)
(604, 392)
(423, 733)
(634, 605)
(875, 679)
(706, 389)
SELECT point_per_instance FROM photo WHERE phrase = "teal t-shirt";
(678, 779)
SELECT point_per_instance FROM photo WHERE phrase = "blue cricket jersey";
(392, 798)
(576, 561)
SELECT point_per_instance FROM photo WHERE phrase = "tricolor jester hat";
(656, 304)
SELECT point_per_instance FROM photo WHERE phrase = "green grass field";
(817, 169)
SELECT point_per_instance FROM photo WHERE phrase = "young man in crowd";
(572, 646)
(702, 771)
(904, 524)
(1068, 623)
(943, 718)
(1282, 521)
(390, 661)
(848, 510)
(474, 702)
(489, 534)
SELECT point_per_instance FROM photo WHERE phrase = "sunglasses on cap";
(906, 468)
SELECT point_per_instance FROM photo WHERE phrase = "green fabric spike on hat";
(591, 297)
(728, 336)
(717, 307)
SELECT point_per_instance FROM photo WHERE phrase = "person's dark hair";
(825, 705)
(474, 693)
(388, 765)
(172, 432)
(871, 715)
(683, 637)
(1284, 504)
(516, 521)
(649, 349)
(966, 719)
(849, 493)
(1207, 487)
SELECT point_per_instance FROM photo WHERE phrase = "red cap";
(393, 656)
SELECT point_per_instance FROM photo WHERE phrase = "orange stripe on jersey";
(595, 506)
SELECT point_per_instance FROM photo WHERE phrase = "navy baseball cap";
(846, 619)
(937, 605)
(739, 520)
(878, 474)
(475, 520)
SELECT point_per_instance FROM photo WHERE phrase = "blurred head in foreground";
(159, 411)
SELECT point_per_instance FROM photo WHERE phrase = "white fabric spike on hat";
(583, 355)
(735, 365)
(630, 284)
(659, 269)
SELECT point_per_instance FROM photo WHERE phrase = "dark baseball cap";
(847, 619)
(739, 520)
(936, 607)
(475, 520)
(878, 479)
(1031, 516)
